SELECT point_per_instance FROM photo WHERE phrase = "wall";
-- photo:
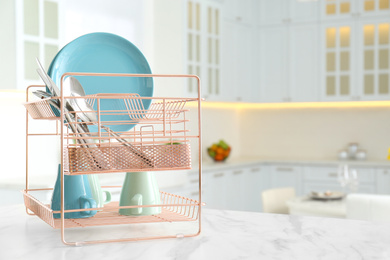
(121, 17)
(314, 133)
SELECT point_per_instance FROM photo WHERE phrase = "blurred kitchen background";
(288, 85)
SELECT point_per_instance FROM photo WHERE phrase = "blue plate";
(105, 53)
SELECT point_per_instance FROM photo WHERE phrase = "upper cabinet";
(338, 49)
(277, 50)
(373, 54)
(346, 9)
(355, 52)
(203, 35)
(277, 12)
(339, 9)
(30, 29)
(288, 63)
(239, 11)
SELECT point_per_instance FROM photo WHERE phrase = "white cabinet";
(373, 59)
(272, 12)
(288, 63)
(338, 9)
(237, 65)
(286, 176)
(303, 63)
(355, 60)
(323, 178)
(383, 180)
(215, 189)
(202, 51)
(30, 29)
(240, 187)
(338, 62)
(239, 11)
(285, 11)
(236, 189)
(369, 8)
(273, 60)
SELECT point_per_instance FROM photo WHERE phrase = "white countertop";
(225, 235)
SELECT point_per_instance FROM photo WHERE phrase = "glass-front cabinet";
(37, 35)
(373, 65)
(339, 60)
(203, 46)
(356, 60)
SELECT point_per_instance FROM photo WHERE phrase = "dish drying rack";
(159, 140)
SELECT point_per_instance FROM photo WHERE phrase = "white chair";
(372, 207)
(274, 200)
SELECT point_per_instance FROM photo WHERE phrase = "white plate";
(327, 195)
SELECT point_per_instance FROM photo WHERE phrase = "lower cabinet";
(240, 188)
(323, 178)
(286, 176)
(235, 189)
(383, 180)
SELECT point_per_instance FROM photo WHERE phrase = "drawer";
(330, 174)
(285, 168)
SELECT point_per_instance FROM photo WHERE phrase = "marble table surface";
(225, 235)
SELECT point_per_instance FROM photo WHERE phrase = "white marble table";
(304, 206)
(225, 235)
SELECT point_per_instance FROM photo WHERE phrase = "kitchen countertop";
(225, 235)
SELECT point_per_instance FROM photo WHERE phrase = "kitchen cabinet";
(285, 175)
(288, 63)
(323, 178)
(240, 188)
(215, 189)
(235, 189)
(273, 61)
(242, 12)
(257, 180)
(30, 29)
(355, 60)
(370, 8)
(338, 9)
(338, 64)
(373, 54)
(383, 180)
(278, 12)
(237, 65)
(202, 50)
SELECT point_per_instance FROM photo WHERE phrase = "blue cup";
(77, 196)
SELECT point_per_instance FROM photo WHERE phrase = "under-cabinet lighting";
(298, 105)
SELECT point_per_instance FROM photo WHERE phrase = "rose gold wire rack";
(158, 141)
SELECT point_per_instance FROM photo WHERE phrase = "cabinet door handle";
(284, 169)
(218, 175)
(332, 174)
(255, 169)
(237, 172)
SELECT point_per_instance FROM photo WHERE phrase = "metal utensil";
(47, 79)
(72, 87)
(76, 128)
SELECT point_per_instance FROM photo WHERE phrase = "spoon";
(77, 128)
(72, 87)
